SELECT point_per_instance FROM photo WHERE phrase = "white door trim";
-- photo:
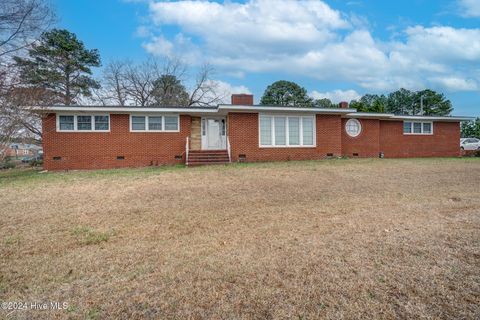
(222, 145)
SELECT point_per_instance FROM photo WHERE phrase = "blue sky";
(335, 49)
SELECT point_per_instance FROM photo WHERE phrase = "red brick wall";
(367, 144)
(91, 150)
(243, 135)
(94, 150)
(445, 141)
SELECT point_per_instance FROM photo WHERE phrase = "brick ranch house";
(91, 137)
(16, 150)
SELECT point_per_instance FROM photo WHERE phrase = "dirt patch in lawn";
(328, 239)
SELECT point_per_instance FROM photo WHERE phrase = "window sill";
(287, 147)
(83, 131)
(418, 134)
(154, 131)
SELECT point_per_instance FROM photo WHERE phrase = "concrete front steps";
(207, 157)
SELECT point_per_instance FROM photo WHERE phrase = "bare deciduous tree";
(114, 85)
(205, 91)
(125, 83)
(21, 23)
(139, 81)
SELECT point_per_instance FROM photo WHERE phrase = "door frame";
(204, 133)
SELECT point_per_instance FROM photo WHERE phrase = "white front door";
(213, 134)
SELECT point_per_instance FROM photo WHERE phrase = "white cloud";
(181, 46)
(159, 46)
(225, 90)
(336, 96)
(143, 32)
(257, 26)
(469, 8)
(456, 83)
(309, 38)
(443, 44)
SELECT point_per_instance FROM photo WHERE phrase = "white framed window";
(65, 123)
(223, 129)
(171, 123)
(279, 131)
(83, 123)
(294, 131)
(417, 127)
(154, 123)
(102, 123)
(353, 127)
(308, 131)
(138, 123)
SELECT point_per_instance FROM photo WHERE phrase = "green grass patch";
(3, 286)
(89, 236)
(93, 314)
(11, 240)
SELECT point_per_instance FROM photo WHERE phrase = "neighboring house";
(87, 137)
(20, 150)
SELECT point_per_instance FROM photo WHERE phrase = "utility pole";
(421, 105)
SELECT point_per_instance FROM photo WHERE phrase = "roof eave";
(391, 116)
(433, 118)
(114, 110)
(258, 108)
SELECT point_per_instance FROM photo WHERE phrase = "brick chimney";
(242, 99)
(343, 105)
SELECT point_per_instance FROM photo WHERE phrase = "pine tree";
(60, 63)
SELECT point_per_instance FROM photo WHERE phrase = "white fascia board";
(433, 118)
(369, 115)
(391, 116)
(249, 108)
(123, 109)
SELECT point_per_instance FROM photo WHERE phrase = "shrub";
(36, 163)
(7, 163)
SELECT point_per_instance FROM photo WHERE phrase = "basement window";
(417, 128)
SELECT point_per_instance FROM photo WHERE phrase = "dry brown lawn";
(340, 239)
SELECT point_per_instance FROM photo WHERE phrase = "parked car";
(27, 159)
(470, 144)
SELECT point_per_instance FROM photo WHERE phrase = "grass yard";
(371, 239)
